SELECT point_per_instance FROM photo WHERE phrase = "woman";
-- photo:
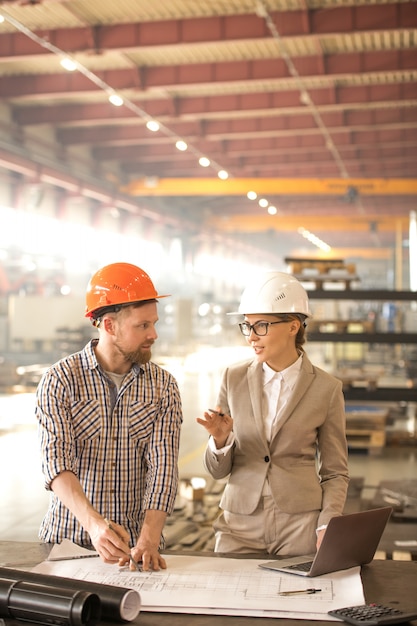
(278, 432)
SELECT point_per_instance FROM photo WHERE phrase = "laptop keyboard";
(301, 567)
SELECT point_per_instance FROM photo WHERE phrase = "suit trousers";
(268, 530)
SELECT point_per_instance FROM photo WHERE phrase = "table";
(385, 582)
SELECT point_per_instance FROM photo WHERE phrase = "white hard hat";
(274, 292)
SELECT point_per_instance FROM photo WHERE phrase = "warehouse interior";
(206, 141)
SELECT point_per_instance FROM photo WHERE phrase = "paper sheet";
(221, 586)
(69, 550)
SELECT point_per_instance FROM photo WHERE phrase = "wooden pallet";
(365, 428)
(366, 381)
(341, 326)
(322, 266)
(371, 440)
(396, 555)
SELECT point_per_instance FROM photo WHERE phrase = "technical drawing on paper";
(249, 585)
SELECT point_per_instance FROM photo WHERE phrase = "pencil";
(111, 527)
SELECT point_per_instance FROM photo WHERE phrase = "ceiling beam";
(373, 254)
(284, 149)
(291, 223)
(267, 127)
(227, 28)
(339, 67)
(273, 186)
(233, 110)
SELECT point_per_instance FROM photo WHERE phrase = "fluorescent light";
(312, 238)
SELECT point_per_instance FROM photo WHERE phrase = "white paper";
(221, 586)
(69, 550)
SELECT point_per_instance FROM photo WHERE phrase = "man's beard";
(139, 356)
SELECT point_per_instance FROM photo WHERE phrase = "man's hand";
(110, 545)
(110, 540)
(218, 425)
(148, 554)
(146, 549)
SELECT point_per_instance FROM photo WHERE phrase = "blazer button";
(266, 459)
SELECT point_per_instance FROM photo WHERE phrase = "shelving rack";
(366, 423)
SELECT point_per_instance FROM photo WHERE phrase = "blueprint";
(223, 586)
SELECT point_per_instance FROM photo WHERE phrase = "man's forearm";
(110, 541)
(153, 526)
(67, 488)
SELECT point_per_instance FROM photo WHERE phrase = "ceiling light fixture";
(69, 64)
(272, 210)
(181, 145)
(116, 100)
(223, 175)
(251, 195)
(153, 125)
(204, 161)
(263, 202)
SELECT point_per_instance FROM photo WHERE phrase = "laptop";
(350, 540)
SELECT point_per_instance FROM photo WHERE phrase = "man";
(278, 432)
(109, 427)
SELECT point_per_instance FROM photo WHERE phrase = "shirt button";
(266, 459)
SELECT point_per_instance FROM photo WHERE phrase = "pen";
(218, 412)
(110, 525)
(294, 593)
(71, 558)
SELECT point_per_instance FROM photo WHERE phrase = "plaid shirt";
(122, 445)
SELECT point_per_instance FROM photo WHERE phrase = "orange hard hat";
(118, 284)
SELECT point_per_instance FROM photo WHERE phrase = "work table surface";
(384, 582)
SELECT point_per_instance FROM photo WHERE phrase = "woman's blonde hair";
(300, 337)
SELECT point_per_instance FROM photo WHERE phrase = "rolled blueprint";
(117, 603)
(47, 604)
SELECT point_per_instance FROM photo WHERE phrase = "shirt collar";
(289, 375)
(91, 360)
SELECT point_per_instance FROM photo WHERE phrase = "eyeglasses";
(259, 328)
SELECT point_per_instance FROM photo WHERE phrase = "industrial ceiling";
(312, 104)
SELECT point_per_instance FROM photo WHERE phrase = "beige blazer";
(306, 461)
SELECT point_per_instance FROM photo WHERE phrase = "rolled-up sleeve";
(55, 428)
(162, 478)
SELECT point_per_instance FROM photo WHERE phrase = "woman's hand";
(218, 425)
